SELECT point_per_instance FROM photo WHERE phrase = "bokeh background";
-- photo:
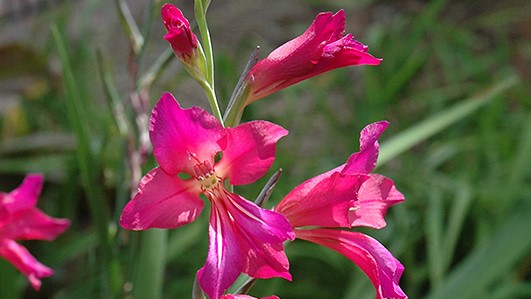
(454, 83)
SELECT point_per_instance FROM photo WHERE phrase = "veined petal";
(248, 151)
(382, 268)
(24, 262)
(162, 201)
(266, 260)
(33, 224)
(261, 234)
(322, 202)
(225, 258)
(24, 197)
(375, 196)
(183, 137)
(243, 238)
(266, 225)
(364, 161)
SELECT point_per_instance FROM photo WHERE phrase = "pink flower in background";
(347, 196)
(21, 220)
(321, 48)
(243, 237)
(180, 35)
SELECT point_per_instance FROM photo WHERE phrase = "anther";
(204, 173)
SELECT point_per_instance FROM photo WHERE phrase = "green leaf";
(150, 262)
(53, 166)
(89, 167)
(436, 123)
(490, 260)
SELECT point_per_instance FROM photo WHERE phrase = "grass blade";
(89, 170)
(433, 125)
(489, 261)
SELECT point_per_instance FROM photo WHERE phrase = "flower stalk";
(208, 86)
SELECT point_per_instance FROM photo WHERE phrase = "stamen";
(204, 173)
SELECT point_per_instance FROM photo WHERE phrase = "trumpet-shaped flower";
(347, 196)
(21, 220)
(321, 48)
(243, 237)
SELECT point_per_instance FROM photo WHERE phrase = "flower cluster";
(21, 220)
(198, 155)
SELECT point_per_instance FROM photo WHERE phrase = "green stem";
(200, 16)
(151, 258)
(211, 96)
(235, 109)
(208, 86)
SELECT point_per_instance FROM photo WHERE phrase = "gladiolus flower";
(321, 48)
(21, 220)
(243, 237)
(348, 196)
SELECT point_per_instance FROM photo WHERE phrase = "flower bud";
(180, 36)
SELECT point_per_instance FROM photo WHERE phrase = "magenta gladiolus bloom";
(21, 220)
(347, 196)
(321, 48)
(243, 237)
(180, 36)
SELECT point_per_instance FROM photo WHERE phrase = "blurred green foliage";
(454, 84)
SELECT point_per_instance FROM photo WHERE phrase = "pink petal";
(325, 28)
(225, 258)
(266, 261)
(24, 197)
(375, 196)
(248, 151)
(183, 138)
(324, 201)
(261, 234)
(243, 238)
(382, 268)
(319, 49)
(162, 201)
(242, 296)
(266, 225)
(345, 52)
(33, 224)
(364, 161)
(24, 262)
